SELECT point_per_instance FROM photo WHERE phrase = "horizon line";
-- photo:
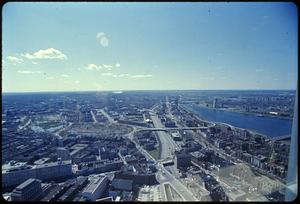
(130, 90)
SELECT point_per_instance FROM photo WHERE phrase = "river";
(270, 126)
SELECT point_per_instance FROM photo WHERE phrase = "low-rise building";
(176, 136)
(95, 188)
(30, 190)
(54, 170)
(122, 184)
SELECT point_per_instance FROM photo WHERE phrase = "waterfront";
(270, 126)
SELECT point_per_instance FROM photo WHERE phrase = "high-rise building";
(60, 141)
(30, 190)
(182, 159)
(63, 153)
(215, 103)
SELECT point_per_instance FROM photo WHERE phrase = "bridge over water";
(174, 128)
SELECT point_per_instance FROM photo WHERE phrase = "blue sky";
(148, 46)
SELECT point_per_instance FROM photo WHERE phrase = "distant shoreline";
(231, 126)
(246, 113)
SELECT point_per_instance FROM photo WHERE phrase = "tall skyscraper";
(215, 103)
(63, 153)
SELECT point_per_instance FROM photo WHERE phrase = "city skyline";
(149, 46)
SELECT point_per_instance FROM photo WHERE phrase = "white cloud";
(28, 72)
(49, 53)
(15, 60)
(93, 67)
(107, 66)
(102, 39)
(107, 74)
(65, 75)
(141, 76)
(49, 78)
(118, 65)
(133, 76)
(121, 75)
(34, 63)
(77, 82)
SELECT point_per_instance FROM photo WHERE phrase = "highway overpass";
(175, 128)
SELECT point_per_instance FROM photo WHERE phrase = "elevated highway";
(175, 128)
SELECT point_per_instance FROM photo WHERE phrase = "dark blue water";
(269, 126)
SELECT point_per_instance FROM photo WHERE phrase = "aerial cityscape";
(137, 145)
(89, 115)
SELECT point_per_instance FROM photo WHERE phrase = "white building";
(95, 188)
(176, 136)
(215, 103)
(14, 175)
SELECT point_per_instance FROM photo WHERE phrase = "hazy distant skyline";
(148, 46)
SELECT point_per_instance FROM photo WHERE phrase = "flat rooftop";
(27, 183)
(12, 165)
(95, 181)
(53, 164)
